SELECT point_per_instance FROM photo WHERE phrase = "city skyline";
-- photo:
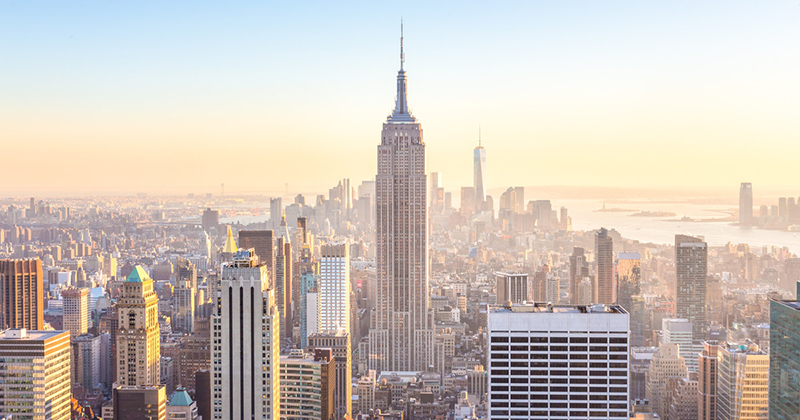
(180, 89)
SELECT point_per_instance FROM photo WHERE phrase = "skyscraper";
(629, 278)
(605, 289)
(184, 296)
(691, 268)
(76, 311)
(262, 241)
(22, 294)
(334, 287)
(401, 337)
(707, 381)
(578, 270)
(36, 375)
(552, 361)
(307, 384)
(140, 402)
(512, 287)
(479, 174)
(339, 342)
(742, 382)
(784, 360)
(746, 204)
(245, 342)
(138, 338)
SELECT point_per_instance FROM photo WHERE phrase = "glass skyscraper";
(784, 363)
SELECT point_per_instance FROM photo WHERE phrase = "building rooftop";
(541, 307)
(23, 334)
(181, 398)
(137, 275)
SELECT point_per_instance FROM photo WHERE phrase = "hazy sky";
(163, 97)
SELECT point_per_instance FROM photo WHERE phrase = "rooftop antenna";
(402, 55)
(479, 136)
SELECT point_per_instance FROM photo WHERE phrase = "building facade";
(575, 362)
(138, 337)
(22, 294)
(339, 343)
(742, 382)
(784, 361)
(35, 368)
(512, 287)
(307, 384)
(707, 381)
(245, 342)
(605, 285)
(76, 311)
(401, 337)
(334, 287)
(691, 269)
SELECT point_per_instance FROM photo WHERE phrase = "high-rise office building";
(707, 381)
(512, 287)
(307, 385)
(691, 268)
(605, 289)
(309, 306)
(184, 296)
(479, 173)
(181, 406)
(22, 294)
(283, 277)
(746, 204)
(275, 212)
(138, 337)
(784, 360)
(551, 361)
(339, 343)
(210, 219)
(629, 278)
(742, 382)
(35, 368)
(401, 337)
(578, 270)
(145, 402)
(436, 193)
(263, 242)
(334, 287)
(245, 342)
(666, 364)
(86, 360)
(679, 331)
(76, 311)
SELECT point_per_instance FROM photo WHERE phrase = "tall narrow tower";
(138, 337)
(401, 337)
(479, 174)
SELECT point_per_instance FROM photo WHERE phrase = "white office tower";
(552, 361)
(401, 334)
(679, 331)
(334, 287)
(35, 370)
(246, 342)
(479, 173)
(742, 382)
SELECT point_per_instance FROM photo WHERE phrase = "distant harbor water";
(662, 229)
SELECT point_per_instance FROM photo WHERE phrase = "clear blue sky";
(251, 94)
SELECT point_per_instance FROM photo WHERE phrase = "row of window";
(538, 339)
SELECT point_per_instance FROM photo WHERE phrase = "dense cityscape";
(383, 300)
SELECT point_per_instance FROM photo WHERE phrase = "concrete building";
(339, 343)
(605, 284)
(76, 311)
(22, 294)
(86, 355)
(742, 382)
(578, 270)
(666, 365)
(306, 385)
(512, 287)
(36, 375)
(263, 242)
(245, 342)
(334, 287)
(400, 337)
(145, 402)
(629, 278)
(679, 331)
(138, 337)
(691, 267)
(575, 362)
(184, 296)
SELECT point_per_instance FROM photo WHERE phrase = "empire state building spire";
(401, 113)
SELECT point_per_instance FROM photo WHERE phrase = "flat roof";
(559, 309)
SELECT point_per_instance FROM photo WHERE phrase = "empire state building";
(401, 334)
